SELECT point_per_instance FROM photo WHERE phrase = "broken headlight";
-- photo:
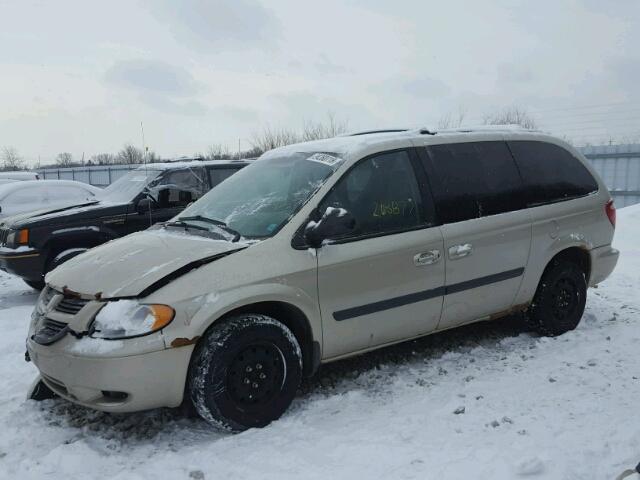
(127, 318)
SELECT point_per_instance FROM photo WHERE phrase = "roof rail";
(368, 132)
(510, 127)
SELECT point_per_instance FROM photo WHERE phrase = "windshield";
(127, 187)
(258, 200)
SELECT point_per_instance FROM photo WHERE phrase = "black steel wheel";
(560, 299)
(256, 375)
(245, 372)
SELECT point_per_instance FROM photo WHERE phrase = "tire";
(245, 372)
(39, 391)
(560, 299)
(35, 284)
(54, 263)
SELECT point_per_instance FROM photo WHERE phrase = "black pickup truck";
(32, 244)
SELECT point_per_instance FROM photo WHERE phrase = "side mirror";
(144, 205)
(334, 223)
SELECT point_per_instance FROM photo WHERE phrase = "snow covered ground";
(561, 408)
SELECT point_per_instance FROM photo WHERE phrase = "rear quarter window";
(551, 173)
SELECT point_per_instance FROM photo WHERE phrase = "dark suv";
(32, 244)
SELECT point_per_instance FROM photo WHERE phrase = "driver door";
(383, 282)
(172, 193)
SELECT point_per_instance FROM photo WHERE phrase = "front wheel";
(560, 299)
(245, 372)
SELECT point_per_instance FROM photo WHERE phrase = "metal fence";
(97, 175)
(618, 165)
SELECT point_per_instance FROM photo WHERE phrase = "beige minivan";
(319, 251)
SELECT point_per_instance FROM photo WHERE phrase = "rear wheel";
(245, 372)
(560, 299)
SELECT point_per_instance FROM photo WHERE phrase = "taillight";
(610, 209)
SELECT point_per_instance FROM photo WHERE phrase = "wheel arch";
(575, 254)
(534, 271)
(289, 315)
(58, 243)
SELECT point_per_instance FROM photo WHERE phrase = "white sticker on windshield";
(326, 158)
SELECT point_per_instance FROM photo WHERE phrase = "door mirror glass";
(335, 222)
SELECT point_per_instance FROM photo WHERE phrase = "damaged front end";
(61, 312)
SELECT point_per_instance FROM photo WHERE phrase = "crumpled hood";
(130, 265)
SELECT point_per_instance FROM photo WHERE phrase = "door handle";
(460, 251)
(426, 258)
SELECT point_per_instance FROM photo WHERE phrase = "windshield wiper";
(217, 223)
(180, 223)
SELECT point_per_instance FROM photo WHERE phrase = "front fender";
(196, 315)
(74, 236)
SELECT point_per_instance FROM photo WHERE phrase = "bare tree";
(450, 120)
(319, 130)
(218, 152)
(103, 159)
(11, 159)
(130, 155)
(153, 157)
(253, 152)
(64, 159)
(271, 138)
(511, 116)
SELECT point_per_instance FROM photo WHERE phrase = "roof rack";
(433, 131)
(368, 132)
(510, 127)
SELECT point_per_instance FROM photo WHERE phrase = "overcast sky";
(80, 76)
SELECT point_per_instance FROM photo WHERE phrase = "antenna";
(144, 153)
(146, 170)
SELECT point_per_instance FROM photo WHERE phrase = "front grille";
(4, 233)
(50, 332)
(71, 305)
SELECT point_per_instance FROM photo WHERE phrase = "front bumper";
(603, 261)
(111, 383)
(28, 264)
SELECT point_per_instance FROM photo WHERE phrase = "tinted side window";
(217, 175)
(550, 172)
(381, 193)
(474, 180)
